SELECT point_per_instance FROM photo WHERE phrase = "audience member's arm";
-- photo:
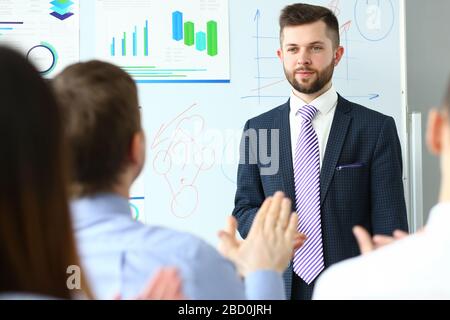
(367, 243)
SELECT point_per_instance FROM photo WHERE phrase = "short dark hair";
(300, 14)
(101, 115)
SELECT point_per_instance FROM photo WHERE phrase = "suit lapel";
(286, 167)
(338, 132)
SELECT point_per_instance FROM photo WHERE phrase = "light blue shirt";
(120, 255)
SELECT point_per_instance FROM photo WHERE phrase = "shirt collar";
(324, 103)
(101, 204)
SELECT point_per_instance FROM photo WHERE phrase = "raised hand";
(271, 241)
(368, 244)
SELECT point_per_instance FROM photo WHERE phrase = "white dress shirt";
(326, 104)
(417, 267)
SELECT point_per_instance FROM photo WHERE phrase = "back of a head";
(101, 116)
(300, 14)
(36, 237)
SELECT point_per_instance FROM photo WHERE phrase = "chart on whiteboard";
(47, 32)
(165, 41)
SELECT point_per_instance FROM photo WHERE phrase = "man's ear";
(338, 55)
(280, 54)
(137, 148)
(434, 131)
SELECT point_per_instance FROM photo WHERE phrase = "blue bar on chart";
(135, 42)
(113, 47)
(177, 25)
(200, 41)
(5, 25)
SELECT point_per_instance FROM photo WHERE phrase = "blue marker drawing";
(257, 93)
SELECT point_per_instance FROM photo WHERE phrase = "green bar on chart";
(146, 39)
(124, 44)
(189, 33)
(212, 38)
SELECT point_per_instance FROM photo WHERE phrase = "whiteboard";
(193, 129)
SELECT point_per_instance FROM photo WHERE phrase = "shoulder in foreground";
(166, 240)
(25, 296)
(331, 281)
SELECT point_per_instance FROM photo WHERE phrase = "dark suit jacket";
(361, 179)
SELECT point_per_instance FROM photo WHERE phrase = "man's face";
(308, 57)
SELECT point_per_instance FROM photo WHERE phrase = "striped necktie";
(308, 260)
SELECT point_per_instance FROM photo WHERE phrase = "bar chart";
(139, 42)
(7, 26)
(186, 31)
(165, 42)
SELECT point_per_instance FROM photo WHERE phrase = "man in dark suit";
(339, 162)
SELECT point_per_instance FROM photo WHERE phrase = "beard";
(323, 78)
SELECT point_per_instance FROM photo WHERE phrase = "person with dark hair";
(37, 246)
(402, 267)
(339, 162)
(36, 238)
(107, 146)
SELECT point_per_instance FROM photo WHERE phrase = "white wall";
(428, 67)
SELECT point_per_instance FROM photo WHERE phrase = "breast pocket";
(352, 182)
(356, 165)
